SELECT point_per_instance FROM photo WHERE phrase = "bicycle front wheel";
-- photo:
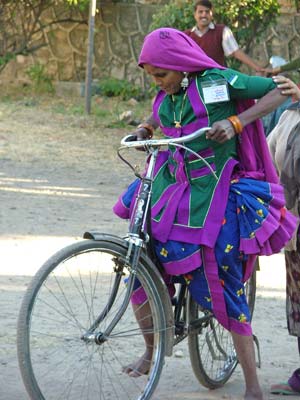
(77, 285)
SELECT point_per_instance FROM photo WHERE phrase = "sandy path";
(55, 182)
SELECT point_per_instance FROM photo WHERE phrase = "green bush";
(41, 81)
(112, 87)
(6, 58)
(177, 14)
(82, 5)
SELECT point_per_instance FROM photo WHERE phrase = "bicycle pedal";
(258, 362)
(179, 328)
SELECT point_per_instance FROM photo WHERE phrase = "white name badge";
(215, 91)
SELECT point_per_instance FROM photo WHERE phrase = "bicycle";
(77, 329)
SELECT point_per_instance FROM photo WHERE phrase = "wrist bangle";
(236, 123)
(148, 128)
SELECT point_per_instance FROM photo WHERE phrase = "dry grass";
(47, 126)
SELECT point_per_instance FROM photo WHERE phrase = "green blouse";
(189, 109)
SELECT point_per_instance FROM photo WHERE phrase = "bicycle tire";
(64, 296)
(212, 353)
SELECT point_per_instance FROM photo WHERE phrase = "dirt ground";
(59, 177)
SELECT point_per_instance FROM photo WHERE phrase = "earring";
(185, 81)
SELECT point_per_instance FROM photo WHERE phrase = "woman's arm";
(245, 59)
(263, 106)
(224, 130)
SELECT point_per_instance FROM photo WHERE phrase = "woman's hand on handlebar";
(141, 134)
(146, 129)
(221, 131)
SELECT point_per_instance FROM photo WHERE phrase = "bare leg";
(142, 365)
(244, 347)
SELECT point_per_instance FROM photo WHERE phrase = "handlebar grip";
(130, 138)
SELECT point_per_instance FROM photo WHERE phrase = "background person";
(210, 231)
(216, 40)
(284, 145)
(271, 120)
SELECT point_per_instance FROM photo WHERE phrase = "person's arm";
(295, 64)
(245, 59)
(263, 106)
(232, 49)
(221, 131)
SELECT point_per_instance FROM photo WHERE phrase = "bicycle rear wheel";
(212, 353)
(69, 292)
(211, 349)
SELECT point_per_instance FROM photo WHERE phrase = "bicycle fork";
(135, 245)
(131, 261)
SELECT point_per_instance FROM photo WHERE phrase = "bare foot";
(283, 388)
(255, 395)
(140, 367)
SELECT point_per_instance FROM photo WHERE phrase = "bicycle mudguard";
(153, 271)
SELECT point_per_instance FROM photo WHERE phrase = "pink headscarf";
(168, 48)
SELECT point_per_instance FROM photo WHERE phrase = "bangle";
(148, 128)
(236, 123)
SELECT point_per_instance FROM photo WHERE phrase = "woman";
(206, 230)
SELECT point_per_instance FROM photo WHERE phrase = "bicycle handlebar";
(130, 140)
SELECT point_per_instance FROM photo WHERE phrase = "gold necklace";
(177, 123)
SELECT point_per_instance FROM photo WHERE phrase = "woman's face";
(167, 80)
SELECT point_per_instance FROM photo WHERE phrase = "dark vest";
(211, 43)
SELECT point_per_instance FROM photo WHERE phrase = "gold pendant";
(177, 124)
